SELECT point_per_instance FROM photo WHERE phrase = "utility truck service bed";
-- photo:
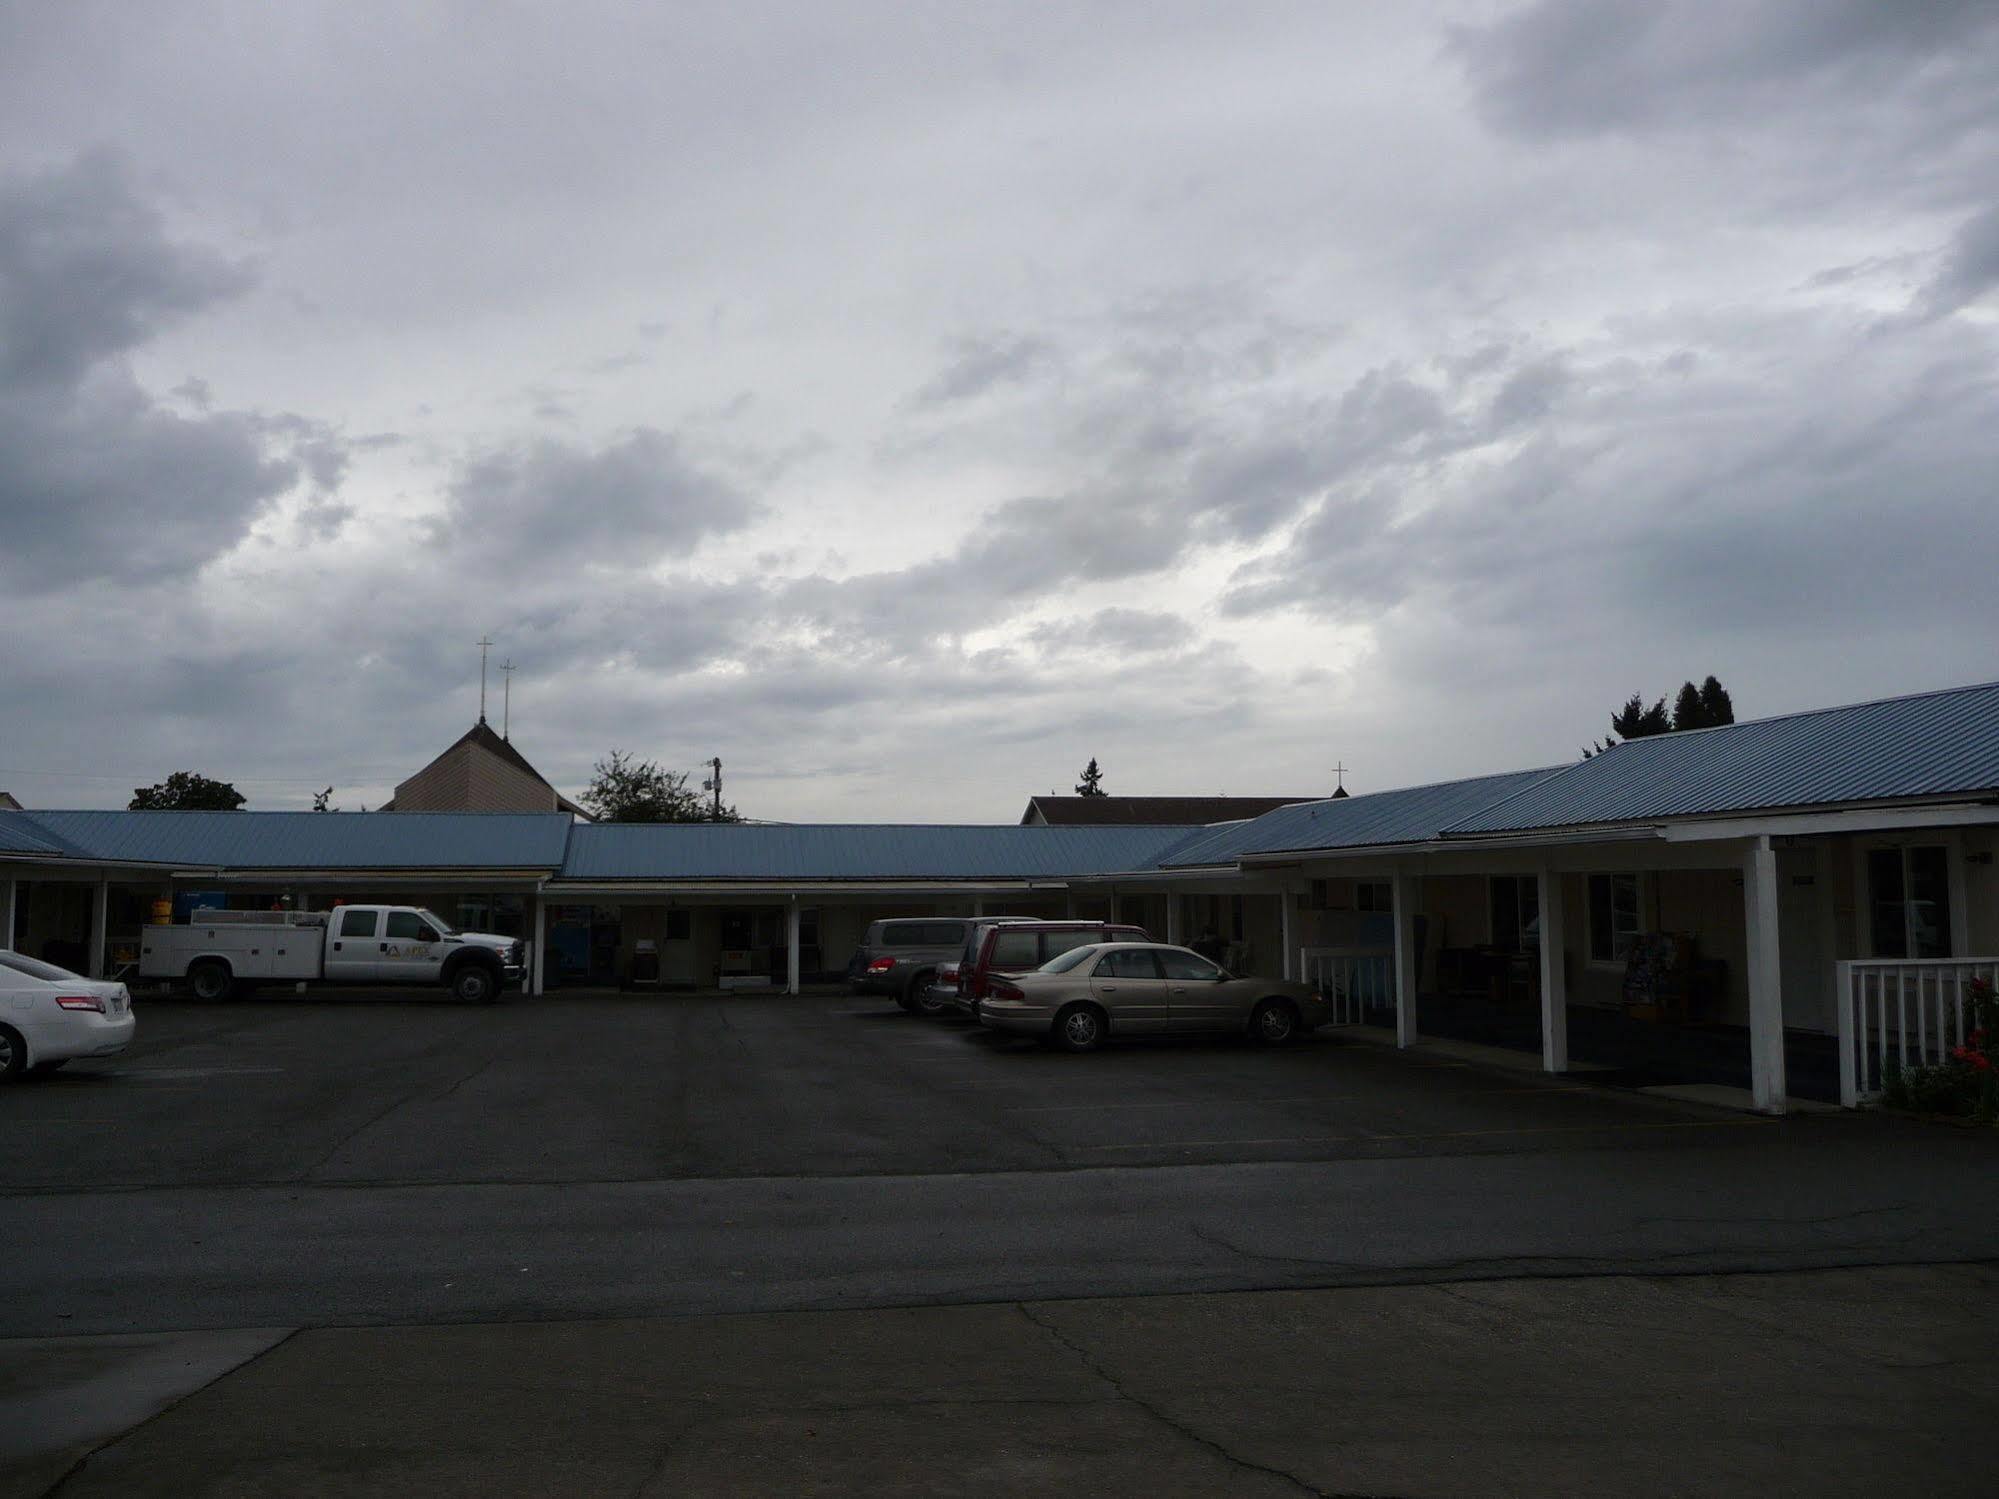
(219, 953)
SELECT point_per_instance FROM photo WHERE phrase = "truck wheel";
(211, 981)
(475, 984)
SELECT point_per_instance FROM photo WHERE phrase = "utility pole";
(714, 784)
(506, 695)
(484, 646)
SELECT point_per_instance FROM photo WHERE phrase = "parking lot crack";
(1172, 1423)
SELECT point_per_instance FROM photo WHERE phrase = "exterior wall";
(1709, 905)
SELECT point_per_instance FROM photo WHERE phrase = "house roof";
(1931, 744)
(734, 851)
(1412, 814)
(305, 840)
(19, 834)
(1184, 811)
(481, 737)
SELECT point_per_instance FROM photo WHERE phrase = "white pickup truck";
(219, 953)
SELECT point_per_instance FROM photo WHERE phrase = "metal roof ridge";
(1750, 723)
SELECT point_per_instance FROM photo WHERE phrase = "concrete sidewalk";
(1862, 1382)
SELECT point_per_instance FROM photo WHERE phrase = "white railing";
(1352, 981)
(1897, 1012)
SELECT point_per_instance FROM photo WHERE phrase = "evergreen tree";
(1689, 712)
(184, 791)
(1716, 704)
(1092, 782)
(1636, 721)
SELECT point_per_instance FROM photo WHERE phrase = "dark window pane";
(358, 923)
(943, 933)
(1130, 963)
(405, 926)
(901, 934)
(1186, 965)
(1929, 901)
(1056, 943)
(1016, 951)
(1887, 915)
(1601, 942)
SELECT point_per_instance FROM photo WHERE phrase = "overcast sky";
(907, 402)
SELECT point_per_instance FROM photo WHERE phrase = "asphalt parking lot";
(250, 1170)
(371, 1091)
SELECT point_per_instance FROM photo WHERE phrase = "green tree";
(184, 791)
(624, 788)
(1092, 782)
(1636, 721)
(1689, 712)
(1716, 703)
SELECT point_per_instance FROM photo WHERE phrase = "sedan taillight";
(1001, 989)
(882, 965)
(80, 1002)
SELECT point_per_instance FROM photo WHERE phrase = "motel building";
(1786, 906)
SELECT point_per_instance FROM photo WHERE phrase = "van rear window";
(902, 934)
(1016, 950)
(1056, 943)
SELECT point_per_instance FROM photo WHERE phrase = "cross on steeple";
(1340, 786)
(506, 694)
(484, 646)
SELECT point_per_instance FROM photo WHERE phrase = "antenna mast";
(506, 695)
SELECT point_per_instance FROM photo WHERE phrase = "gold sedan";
(1078, 1000)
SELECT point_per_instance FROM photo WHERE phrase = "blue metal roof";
(710, 851)
(1934, 744)
(1413, 814)
(311, 840)
(19, 835)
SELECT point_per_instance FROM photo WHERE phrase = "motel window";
(1908, 902)
(1613, 916)
(1373, 895)
(1516, 912)
(679, 924)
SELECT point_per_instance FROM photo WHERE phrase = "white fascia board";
(1848, 820)
(395, 875)
(557, 890)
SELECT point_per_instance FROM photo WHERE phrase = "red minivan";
(1023, 946)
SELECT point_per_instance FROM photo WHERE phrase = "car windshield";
(437, 921)
(35, 968)
(1068, 960)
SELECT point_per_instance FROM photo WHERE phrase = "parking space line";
(1458, 1134)
(1194, 1103)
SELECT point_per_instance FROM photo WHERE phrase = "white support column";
(1069, 903)
(8, 897)
(1554, 976)
(791, 947)
(1114, 903)
(1403, 890)
(537, 964)
(1289, 958)
(1173, 918)
(978, 905)
(1766, 994)
(100, 921)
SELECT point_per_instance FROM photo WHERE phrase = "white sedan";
(49, 1016)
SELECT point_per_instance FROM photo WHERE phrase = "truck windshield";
(437, 921)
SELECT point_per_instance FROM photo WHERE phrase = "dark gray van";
(898, 957)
